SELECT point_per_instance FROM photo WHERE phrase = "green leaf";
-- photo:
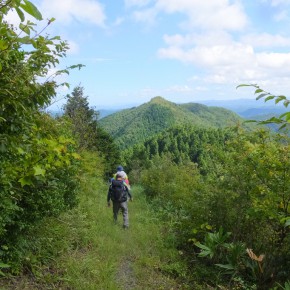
(38, 170)
(283, 126)
(66, 84)
(201, 246)
(55, 38)
(250, 121)
(3, 44)
(287, 223)
(24, 28)
(205, 251)
(20, 13)
(261, 96)
(283, 115)
(287, 116)
(25, 40)
(76, 156)
(51, 20)
(31, 9)
(269, 98)
(278, 100)
(286, 103)
(244, 85)
(17, 3)
(20, 150)
(25, 181)
(258, 91)
(226, 266)
(79, 66)
(2, 265)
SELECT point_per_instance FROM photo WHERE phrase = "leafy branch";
(283, 119)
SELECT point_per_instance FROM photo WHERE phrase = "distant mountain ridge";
(135, 125)
(103, 112)
(249, 108)
(240, 106)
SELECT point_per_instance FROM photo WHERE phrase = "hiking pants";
(124, 208)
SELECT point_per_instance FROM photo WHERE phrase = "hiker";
(118, 193)
(120, 171)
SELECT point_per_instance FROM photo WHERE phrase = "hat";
(119, 168)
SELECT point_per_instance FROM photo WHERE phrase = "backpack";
(118, 191)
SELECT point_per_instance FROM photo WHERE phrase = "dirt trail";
(125, 275)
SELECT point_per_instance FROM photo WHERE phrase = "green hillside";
(216, 116)
(135, 125)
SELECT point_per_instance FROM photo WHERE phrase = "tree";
(38, 162)
(87, 131)
(83, 118)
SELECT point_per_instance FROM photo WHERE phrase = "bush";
(38, 180)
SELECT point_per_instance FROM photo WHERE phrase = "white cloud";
(178, 39)
(280, 61)
(73, 47)
(208, 14)
(208, 56)
(147, 16)
(266, 40)
(218, 14)
(230, 62)
(12, 18)
(66, 11)
(208, 39)
(217, 45)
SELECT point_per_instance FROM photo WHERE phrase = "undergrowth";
(83, 249)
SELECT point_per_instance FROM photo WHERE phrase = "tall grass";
(84, 249)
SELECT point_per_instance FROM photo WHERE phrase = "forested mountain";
(135, 125)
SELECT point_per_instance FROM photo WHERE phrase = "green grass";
(107, 257)
(84, 249)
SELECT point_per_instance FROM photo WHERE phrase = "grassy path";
(89, 252)
(109, 257)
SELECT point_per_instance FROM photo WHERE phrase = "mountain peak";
(158, 100)
(134, 126)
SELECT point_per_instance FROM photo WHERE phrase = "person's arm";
(109, 196)
(129, 194)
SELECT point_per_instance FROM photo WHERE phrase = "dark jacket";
(124, 191)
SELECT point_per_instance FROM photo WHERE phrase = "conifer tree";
(87, 131)
(83, 118)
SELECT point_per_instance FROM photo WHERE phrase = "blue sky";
(182, 50)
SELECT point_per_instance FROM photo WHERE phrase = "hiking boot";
(125, 227)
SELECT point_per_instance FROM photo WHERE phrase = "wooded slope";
(135, 125)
